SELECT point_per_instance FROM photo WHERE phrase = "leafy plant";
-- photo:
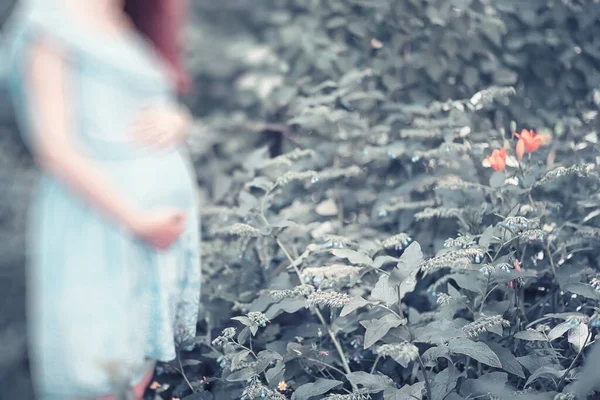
(367, 300)
(374, 241)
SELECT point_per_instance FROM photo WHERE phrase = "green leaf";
(444, 382)
(476, 350)
(269, 355)
(244, 335)
(385, 292)
(546, 371)
(532, 362)
(411, 258)
(431, 355)
(565, 316)
(531, 336)
(412, 392)
(247, 202)
(454, 396)
(242, 375)
(409, 284)
(275, 374)
(317, 388)
(393, 394)
(507, 359)
(409, 261)
(289, 306)
(260, 182)
(253, 329)
(239, 357)
(354, 304)
(467, 282)
(378, 328)
(582, 289)
(515, 211)
(492, 382)
(486, 237)
(190, 363)
(438, 332)
(353, 256)
(380, 261)
(578, 336)
(244, 320)
(558, 331)
(373, 383)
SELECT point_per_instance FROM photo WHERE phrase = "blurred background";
(248, 58)
(16, 175)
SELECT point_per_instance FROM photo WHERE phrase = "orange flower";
(282, 386)
(530, 141)
(520, 149)
(498, 159)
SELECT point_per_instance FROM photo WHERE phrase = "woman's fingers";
(157, 126)
(147, 128)
(145, 122)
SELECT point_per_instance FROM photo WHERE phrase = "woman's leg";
(138, 390)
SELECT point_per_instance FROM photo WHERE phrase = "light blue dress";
(96, 294)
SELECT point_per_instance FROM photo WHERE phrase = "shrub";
(388, 243)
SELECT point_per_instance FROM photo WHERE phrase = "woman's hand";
(161, 125)
(160, 229)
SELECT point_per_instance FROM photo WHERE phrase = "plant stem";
(426, 378)
(336, 343)
(338, 198)
(331, 334)
(247, 349)
(564, 377)
(375, 364)
(550, 259)
(339, 371)
(485, 298)
(390, 310)
(378, 270)
(527, 188)
(484, 295)
(183, 373)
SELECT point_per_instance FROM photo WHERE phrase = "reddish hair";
(161, 21)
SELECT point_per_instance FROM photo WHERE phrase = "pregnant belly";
(155, 180)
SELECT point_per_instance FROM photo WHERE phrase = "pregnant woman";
(113, 261)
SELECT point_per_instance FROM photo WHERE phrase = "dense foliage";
(372, 237)
(372, 226)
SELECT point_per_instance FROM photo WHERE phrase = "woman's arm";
(47, 84)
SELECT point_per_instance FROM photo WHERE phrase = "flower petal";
(520, 149)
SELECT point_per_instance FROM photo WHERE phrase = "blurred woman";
(113, 262)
